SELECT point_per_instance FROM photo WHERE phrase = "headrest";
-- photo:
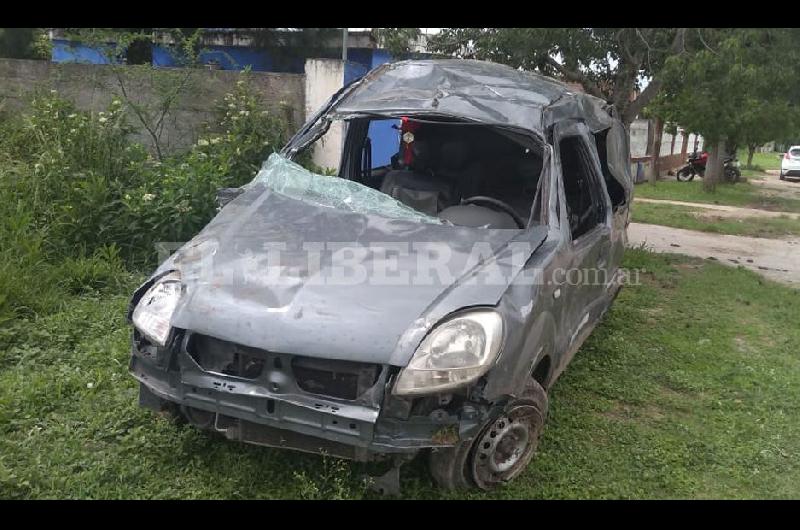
(423, 155)
(454, 155)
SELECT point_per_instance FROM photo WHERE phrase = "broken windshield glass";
(292, 180)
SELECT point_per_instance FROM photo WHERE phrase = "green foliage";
(397, 40)
(166, 86)
(81, 202)
(103, 271)
(24, 43)
(608, 62)
(737, 87)
(177, 199)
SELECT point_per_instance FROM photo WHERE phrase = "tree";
(24, 43)
(397, 41)
(736, 90)
(609, 63)
(765, 121)
(284, 45)
(166, 85)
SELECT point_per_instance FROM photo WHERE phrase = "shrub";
(178, 199)
(80, 201)
(103, 271)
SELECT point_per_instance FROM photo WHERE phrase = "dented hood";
(264, 274)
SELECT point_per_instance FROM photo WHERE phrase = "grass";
(686, 390)
(761, 161)
(705, 220)
(753, 174)
(741, 194)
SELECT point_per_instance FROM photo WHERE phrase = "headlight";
(456, 352)
(153, 313)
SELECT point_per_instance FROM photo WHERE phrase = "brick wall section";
(92, 86)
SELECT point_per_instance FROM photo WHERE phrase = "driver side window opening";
(582, 190)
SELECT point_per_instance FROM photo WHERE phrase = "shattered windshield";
(292, 180)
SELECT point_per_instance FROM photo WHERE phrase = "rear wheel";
(502, 449)
(732, 174)
(685, 174)
(781, 176)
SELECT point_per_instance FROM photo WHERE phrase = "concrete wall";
(671, 155)
(639, 137)
(324, 77)
(92, 87)
(638, 132)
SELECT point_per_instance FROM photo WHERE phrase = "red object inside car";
(407, 140)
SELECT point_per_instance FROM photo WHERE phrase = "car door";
(586, 208)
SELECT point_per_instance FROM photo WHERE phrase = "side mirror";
(226, 195)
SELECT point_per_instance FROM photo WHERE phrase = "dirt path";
(725, 211)
(773, 185)
(777, 259)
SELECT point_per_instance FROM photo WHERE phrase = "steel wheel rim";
(505, 448)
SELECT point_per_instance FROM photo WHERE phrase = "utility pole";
(344, 44)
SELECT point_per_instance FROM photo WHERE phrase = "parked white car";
(790, 164)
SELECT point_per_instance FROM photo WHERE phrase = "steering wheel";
(497, 204)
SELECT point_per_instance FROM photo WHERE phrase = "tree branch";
(700, 34)
(677, 47)
(572, 75)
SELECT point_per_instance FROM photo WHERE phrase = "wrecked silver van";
(425, 302)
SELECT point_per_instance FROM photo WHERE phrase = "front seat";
(418, 187)
(477, 216)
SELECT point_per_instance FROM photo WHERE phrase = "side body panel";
(591, 259)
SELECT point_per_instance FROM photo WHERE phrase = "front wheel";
(685, 174)
(502, 449)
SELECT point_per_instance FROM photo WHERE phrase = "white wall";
(638, 131)
(639, 138)
(323, 78)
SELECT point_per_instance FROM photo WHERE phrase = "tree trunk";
(684, 145)
(657, 133)
(750, 150)
(714, 166)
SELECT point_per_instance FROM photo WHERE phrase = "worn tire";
(463, 466)
(684, 174)
(732, 174)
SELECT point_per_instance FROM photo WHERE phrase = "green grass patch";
(754, 174)
(705, 220)
(741, 194)
(687, 389)
(761, 161)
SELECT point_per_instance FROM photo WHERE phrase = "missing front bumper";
(287, 416)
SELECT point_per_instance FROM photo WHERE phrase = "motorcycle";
(696, 165)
